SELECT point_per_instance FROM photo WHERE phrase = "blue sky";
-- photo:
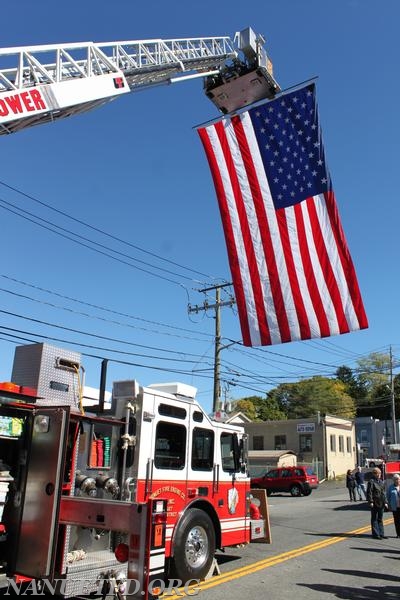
(135, 169)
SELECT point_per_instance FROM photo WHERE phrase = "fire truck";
(117, 498)
(110, 497)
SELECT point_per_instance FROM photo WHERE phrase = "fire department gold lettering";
(178, 492)
(168, 488)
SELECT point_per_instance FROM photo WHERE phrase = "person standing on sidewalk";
(394, 502)
(351, 485)
(376, 497)
(360, 485)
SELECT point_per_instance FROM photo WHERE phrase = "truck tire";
(194, 546)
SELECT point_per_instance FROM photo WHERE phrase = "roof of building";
(238, 417)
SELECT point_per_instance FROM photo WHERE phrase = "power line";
(67, 309)
(113, 360)
(118, 253)
(257, 376)
(101, 231)
(86, 245)
(82, 344)
(262, 378)
(94, 335)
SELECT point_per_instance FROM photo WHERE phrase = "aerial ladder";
(43, 83)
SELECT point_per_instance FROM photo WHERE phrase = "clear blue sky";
(135, 169)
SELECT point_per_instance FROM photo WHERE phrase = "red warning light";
(122, 553)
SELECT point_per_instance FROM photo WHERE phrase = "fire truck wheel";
(194, 545)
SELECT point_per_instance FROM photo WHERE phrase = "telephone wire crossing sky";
(292, 272)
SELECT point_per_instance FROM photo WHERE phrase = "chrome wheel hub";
(196, 547)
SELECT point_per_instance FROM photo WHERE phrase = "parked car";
(299, 481)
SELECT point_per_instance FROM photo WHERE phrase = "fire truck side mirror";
(243, 446)
(236, 453)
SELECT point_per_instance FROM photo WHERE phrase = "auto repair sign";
(306, 428)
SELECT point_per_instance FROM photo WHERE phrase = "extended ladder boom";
(48, 82)
(39, 84)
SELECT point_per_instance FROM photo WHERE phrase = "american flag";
(292, 272)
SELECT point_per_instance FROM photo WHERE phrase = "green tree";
(318, 394)
(379, 405)
(364, 391)
(374, 370)
(356, 388)
(369, 385)
(268, 409)
(246, 406)
(260, 409)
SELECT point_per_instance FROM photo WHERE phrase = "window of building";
(332, 438)
(305, 442)
(280, 442)
(202, 449)
(170, 446)
(348, 444)
(258, 442)
(341, 444)
(363, 436)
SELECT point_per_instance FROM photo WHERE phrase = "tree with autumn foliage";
(260, 409)
(363, 391)
(369, 384)
(317, 394)
(300, 400)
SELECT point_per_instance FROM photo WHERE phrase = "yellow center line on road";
(269, 562)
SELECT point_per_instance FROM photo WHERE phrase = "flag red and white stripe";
(291, 268)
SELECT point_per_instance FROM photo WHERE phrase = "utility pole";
(394, 426)
(217, 351)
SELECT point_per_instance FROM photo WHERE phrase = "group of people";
(377, 497)
(355, 484)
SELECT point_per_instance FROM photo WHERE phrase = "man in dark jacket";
(376, 497)
(360, 486)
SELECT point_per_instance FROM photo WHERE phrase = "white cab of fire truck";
(172, 450)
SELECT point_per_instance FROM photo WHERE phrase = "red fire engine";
(150, 487)
(141, 491)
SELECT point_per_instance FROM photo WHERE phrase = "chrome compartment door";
(38, 527)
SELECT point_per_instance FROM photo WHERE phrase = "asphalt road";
(321, 549)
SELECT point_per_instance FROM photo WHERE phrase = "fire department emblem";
(233, 499)
(118, 82)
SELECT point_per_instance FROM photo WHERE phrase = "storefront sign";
(306, 428)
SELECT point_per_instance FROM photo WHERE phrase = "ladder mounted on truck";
(39, 84)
